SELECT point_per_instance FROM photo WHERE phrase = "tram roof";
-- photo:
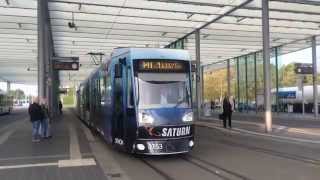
(153, 53)
(101, 26)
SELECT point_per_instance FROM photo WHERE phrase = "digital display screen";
(71, 66)
(162, 66)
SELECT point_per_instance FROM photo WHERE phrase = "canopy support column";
(48, 78)
(8, 86)
(42, 44)
(266, 64)
(315, 76)
(228, 78)
(198, 71)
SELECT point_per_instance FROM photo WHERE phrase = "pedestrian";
(36, 116)
(45, 123)
(60, 107)
(212, 104)
(227, 112)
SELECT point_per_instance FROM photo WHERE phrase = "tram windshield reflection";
(157, 90)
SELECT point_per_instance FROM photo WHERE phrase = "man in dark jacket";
(36, 116)
(227, 112)
(60, 107)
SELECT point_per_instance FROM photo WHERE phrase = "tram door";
(118, 105)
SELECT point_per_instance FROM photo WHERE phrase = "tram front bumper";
(163, 146)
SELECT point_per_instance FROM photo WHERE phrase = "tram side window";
(87, 97)
(129, 88)
(1, 100)
(108, 89)
(102, 88)
(97, 89)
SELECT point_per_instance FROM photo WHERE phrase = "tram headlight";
(188, 117)
(191, 143)
(145, 118)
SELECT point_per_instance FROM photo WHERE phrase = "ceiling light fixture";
(79, 6)
(7, 2)
(239, 19)
(276, 39)
(190, 15)
(19, 25)
(205, 36)
(30, 69)
(71, 24)
(164, 33)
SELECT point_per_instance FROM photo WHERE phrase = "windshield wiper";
(179, 102)
(138, 88)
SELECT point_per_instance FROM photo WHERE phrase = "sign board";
(66, 63)
(69, 66)
(303, 68)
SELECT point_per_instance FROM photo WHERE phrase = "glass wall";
(299, 86)
(215, 84)
(242, 99)
(260, 82)
(247, 84)
(251, 99)
(233, 78)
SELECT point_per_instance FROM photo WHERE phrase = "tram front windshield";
(163, 90)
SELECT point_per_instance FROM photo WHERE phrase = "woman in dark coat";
(227, 112)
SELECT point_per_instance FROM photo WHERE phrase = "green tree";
(17, 94)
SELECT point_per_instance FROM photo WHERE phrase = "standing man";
(227, 112)
(60, 107)
(212, 104)
(36, 116)
(45, 123)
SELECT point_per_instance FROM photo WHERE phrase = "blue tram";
(140, 101)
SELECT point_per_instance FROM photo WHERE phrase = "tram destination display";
(162, 66)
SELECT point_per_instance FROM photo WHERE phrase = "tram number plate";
(155, 146)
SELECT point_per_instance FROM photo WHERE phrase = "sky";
(303, 56)
(28, 89)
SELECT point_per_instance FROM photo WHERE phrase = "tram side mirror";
(193, 68)
(123, 61)
(118, 71)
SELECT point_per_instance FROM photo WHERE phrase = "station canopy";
(87, 28)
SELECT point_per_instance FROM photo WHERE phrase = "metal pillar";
(266, 64)
(228, 78)
(277, 78)
(255, 82)
(238, 84)
(48, 78)
(42, 43)
(198, 83)
(202, 84)
(315, 73)
(8, 86)
(302, 94)
(246, 81)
